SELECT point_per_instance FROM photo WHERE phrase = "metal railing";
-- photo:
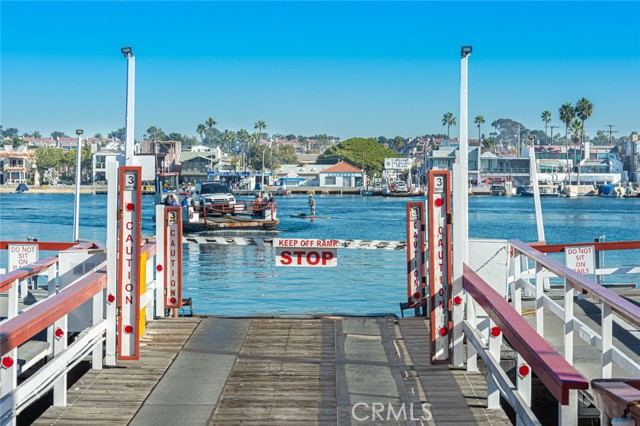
(60, 354)
(613, 307)
(535, 355)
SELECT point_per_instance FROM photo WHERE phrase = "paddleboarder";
(312, 205)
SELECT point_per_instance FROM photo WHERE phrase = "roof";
(190, 155)
(307, 158)
(342, 167)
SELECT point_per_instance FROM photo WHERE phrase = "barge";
(247, 215)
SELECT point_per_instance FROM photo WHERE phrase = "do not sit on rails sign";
(581, 259)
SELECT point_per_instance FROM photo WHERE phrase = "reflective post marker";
(173, 257)
(416, 278)
(129, 263)
(439, 237)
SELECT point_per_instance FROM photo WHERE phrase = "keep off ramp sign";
(440, 281)
(129, 214)
(306, 253)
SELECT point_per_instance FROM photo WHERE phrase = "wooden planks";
(112, 396)
(282, 372)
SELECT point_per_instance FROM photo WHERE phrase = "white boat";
(545, 190)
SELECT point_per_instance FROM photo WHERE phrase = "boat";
(307, 216)
(545, 190)
(22, 188)
(611, 190)
(212, 210)
(498, 190)
(375, 190)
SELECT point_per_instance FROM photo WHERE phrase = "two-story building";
(18, 166)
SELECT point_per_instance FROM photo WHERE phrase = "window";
(330, 180)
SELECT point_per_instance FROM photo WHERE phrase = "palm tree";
(448, 120)
(260, 125)
(479, 120)
(546, 117)
(201, 129)
(567, 113)
(584, 110)
(210, 124)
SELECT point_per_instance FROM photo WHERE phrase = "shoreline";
(84, 189)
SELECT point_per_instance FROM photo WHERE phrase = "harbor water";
(243, 280)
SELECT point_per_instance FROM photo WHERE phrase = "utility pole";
(611, 131)
(552, 127)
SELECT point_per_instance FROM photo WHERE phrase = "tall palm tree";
(584, 110)
(479, 121)
(448, 120)
(260, 125)
(567, 113)
(210, 124)
(201, 129)
(546, 117)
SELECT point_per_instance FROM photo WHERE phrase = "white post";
(493, 390)
(112, 251)
(539, 300)
(59, 345)
(568, 321)
(523, 383)
(460, 213)
(76, 204)
(98, 315)
(607, 349)
(533, 172)
(8, 382)
(516, 291)
(131, 85)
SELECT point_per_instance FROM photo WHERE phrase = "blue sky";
(346, 69)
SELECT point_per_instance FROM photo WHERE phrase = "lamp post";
(460, 212)
(76, 204)
(131, 84)
(262, 176)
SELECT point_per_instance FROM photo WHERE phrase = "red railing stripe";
(550, 367)
(19, 329)
(610, 245)
(26, 272)
(621, 306)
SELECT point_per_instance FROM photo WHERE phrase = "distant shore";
(53, 189)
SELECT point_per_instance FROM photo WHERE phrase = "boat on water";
(212, 207)
(546, 190)
(22, 188)
(373, 191)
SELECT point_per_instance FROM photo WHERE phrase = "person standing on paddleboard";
(312, 205)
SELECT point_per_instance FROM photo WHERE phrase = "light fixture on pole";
(131, 84)
(76, 204)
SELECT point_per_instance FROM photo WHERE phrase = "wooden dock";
(259, 371)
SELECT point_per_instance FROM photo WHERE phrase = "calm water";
(237, 280)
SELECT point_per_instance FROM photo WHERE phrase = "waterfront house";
(342, 175)
(194, 165)
(443, 157)
(99, 164)
(18, 166)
